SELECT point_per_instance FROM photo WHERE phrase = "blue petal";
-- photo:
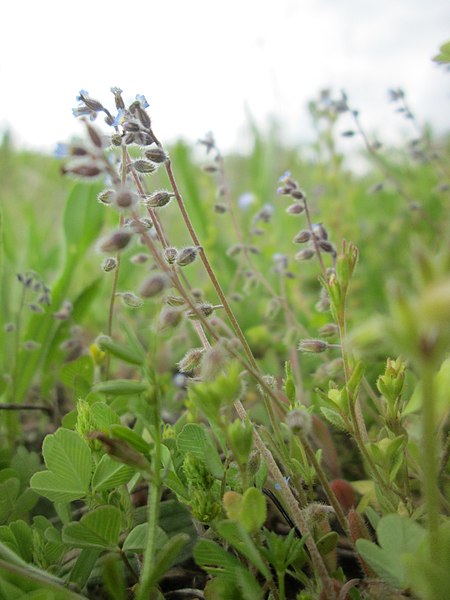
(141, 98)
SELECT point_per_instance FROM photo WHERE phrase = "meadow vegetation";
(225, 376)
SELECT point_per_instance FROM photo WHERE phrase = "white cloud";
(200, 63)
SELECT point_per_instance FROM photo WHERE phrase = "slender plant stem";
(296, 513)
(326, 486)
(154, 496)
(430, 463)
(208, 267)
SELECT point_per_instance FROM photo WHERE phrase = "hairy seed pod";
(320, 233)
(158, 199)
(186, 256)
(139, 259)
(109, 264)
(203, 308)
(295, 209)
(156, 155)
(175, 301)
(85, 169)
(220, 209)
(312, 345)
(130, 299)
(116, 139)
(298, 194)
(154, 285)
(131, 126)
(305, 254)
(302, 236)
(94, 135)
(144, 166)
(326, 246)
(143, 117)
(91, 103)
(106, 197)
(329, 330)
(170, 254)
(118, 240)
(191, 360)
(299, 420)
(170, 317)
(125, 198)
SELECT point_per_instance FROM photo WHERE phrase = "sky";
(205, 65)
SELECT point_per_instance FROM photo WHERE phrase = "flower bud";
(82, 168)
(117, 240)
(220, 209)
(94, 135)
(302, 236)
(120, 105)
(305, 254)
(154, 285)
(298, 194)
(326, 246)
(313, 346)
(299, 420)
(143, 117)
(329, 330)
(295, 209)
(139, 259)
(170, 317)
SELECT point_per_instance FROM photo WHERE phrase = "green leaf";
(83, 218)
(333, 417)
(131, 437)
(110, 474)
(235, 534)
(215, 560)
(84, 565)
(397, 537)
(99, 528)
(254, 510)
(164, 560)
(103, 417)
(444, 55)
(136, 540)
(128, 355)
(9, 490)
(78, 375)
(120, 387)
(113, 578)
(68, 459)
(196, 439)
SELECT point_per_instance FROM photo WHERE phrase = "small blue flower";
(82, 94)
(80, 111)
(119, 118)
(278, 486)
(61, 150)
(246, 200)
(141, 98)
(285, 176)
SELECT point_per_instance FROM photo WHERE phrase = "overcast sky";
(203, 63)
